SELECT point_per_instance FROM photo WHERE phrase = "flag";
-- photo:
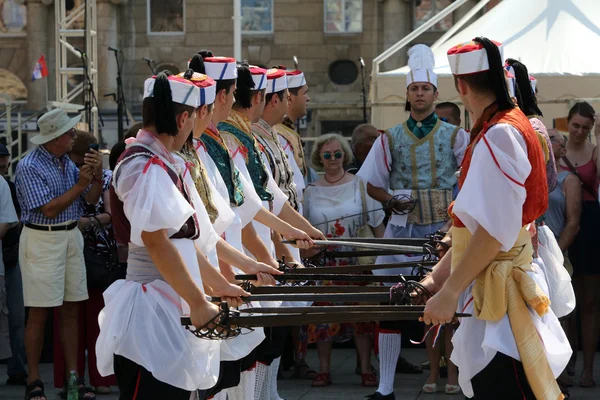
(40, 70)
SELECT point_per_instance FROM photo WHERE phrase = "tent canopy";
(551, 37)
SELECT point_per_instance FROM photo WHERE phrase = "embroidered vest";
(427, 163)
(239, 126)
(280, 167)
(218, 151)
(536, 184)
(121, 226)
(199, 177)
(294, 141)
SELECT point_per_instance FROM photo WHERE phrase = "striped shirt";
(39, 179)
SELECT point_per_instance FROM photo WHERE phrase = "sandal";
(369, 380)
(322, 379)
(85, 392)
(35, 389)
(430, 388)
(452, 389)
(303, 371)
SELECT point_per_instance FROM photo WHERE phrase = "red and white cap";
(511, 80)
(221, 68)
(470, 58)
(206, 85)
(183, 91)
(277, 80)
(259, 76)
(533, 82)
(295, 79)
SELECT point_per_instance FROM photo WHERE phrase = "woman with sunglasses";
(327, 202)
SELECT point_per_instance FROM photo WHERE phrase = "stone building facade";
(322, 34)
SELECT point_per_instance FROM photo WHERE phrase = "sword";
(357, 253)
(329, 309)
(383, 297)
(395, 241)
(351, 269)
(318, 289)
(376, 246)
(332, 277)
(235, 321)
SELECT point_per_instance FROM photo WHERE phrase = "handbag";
(365, 231)
(101, 258)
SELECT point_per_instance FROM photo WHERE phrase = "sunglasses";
(327, 155)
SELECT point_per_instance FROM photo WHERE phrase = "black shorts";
(137, 383)
(502, 379)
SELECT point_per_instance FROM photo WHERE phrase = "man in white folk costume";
(513, 347)
(418, 158)
(141, 337)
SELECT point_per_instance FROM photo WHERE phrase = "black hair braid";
(245, 86)
(164, 110)
(197, 64)
(496, 73)
(527, 101)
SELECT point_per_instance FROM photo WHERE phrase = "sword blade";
(330, 297)
(352, 269)
(318, 289)
(394, 241)
(376, 246)
(332, 277)
(315, 318)
(329, 309)
(359, 253)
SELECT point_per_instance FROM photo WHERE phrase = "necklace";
(336, 181)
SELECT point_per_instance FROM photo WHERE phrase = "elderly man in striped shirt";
(52, 193)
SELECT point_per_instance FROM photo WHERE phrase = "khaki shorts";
(53, 267)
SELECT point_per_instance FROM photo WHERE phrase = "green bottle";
(72, 387)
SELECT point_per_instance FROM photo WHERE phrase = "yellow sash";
(505, 288)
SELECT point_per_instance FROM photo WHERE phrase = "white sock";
(273, 379)
(261, 386)
(389, 351)
(245, 390)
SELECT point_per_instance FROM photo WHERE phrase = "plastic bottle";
(72, 387)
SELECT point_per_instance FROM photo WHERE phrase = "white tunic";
(491, 200)
(141, 320)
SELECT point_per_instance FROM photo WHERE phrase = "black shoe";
(379, 396)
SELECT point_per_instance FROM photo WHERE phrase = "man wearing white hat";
(513, 347)
(418, 158)
(52, 192)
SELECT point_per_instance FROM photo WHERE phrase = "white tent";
(558, 41)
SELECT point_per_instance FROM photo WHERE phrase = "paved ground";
(345, 386)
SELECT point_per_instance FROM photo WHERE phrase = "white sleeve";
(493, 194)
(374, 218)
(377, 166)
(8, 214)
(298, 178)
(151, 201)
(252, 203)
(279, 198)
(461, 142)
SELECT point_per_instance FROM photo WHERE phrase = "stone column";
(37, 38)
(108, 36)
(397, 23)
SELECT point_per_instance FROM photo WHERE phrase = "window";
(166, 17)
(257, 16)
(343, 16)
(430, 8)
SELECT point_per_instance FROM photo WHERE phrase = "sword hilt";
(218, 328)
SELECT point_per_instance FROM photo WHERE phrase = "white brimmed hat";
(53, 124)
(470, 58)
(276, 80)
